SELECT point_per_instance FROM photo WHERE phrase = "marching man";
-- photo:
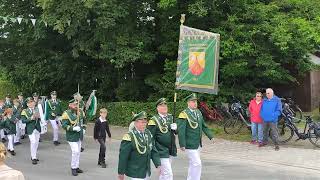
(8, 102)
(2, 108)
(31, 117)
(53, 111)
(73, 122)
(136, 150)
(23, 105)
(9, 125)
(190, 127)
(17, 113)
(161, 127)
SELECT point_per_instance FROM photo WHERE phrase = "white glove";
(173, 126)
(84, 131)
(77, 129)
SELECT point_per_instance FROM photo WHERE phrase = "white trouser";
(166, 170)
(75, 155)
(55, 128)
(22, 128)
(18, 132)
(10, 142)
(34, 143)
(2, 134)
(194, 171)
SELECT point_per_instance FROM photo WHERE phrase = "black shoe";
(40, 140)
(22, 137)
(79, 170)
(277, 148)
(4, 140)
(74, 172)
(17, 143)
(34, 161)
(103, 164)
(82, 149)
(56, 143)
(12, 153)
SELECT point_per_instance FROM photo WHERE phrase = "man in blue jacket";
(270, 111)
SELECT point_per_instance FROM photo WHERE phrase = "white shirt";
(102, 120)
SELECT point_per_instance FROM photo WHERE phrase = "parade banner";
(198, 60)
(91, 105)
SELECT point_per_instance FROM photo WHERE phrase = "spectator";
(270, 111)
(7, 173)
(256, 120)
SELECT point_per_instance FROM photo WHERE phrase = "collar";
(102, 120)
(163, 116)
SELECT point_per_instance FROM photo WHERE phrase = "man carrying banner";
(190, 127)
(73, 121)
(53, 111)
(136, 150)
(161, 127)
(31, 117)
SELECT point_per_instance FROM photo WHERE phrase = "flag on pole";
(198, 60)
(91, 105)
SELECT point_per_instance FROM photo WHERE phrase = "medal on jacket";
(193, 124)
(139, 145)
(163, 127)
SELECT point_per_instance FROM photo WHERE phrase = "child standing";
(101, 127)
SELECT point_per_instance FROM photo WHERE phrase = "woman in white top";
(7, 173)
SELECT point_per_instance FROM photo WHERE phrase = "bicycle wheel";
(233, 126)
(298, 114)
(285, 132)
(313, 138)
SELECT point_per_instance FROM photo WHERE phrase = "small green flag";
(198, 61)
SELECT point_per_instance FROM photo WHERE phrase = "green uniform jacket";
(161, 132)
(23, 104)
(135, 154)
(17, 112)
(190, 127)
(8, 104)
(53, 108)
(31, 124)
(70, 120)
(1, 112)
(8, 125)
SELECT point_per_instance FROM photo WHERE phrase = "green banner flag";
(198, 61)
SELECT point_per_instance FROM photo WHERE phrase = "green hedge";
(120, 113)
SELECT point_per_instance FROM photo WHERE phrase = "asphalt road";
(55, 164)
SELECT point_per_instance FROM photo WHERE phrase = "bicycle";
(238, 120)
(288, 128)
(293, 109)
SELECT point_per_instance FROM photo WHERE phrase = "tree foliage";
(127, 49)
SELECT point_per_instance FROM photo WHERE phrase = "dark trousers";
(274, 132)
(102, 153)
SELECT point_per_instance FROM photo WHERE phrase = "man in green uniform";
(79, 99)
(162, 129)
(23, 105)
(9, 126)
(74, 123)
(53, 111)
(31, 117)
(2, 108)
(190, 127)
(8, 102)
(136, 150)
